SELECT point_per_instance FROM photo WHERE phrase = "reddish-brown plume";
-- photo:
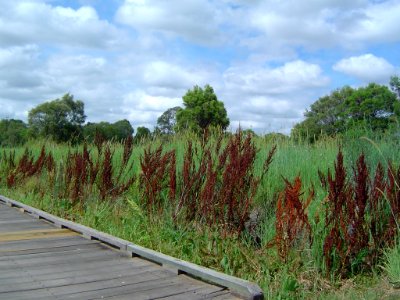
(291, 224)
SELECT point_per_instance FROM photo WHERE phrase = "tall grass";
(212, 201)
(392, 264)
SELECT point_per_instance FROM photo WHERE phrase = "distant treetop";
(202, 109)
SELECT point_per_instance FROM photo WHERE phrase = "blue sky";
(133, 59)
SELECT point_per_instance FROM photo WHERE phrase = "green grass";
(392, 264)
(301, 278)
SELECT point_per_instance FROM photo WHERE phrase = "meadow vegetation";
(313, 215)
(302, 219)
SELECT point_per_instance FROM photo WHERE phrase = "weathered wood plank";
(239, 286)
(223, 296)
(97, 288)
(54, 260)
(53, 251)
(18, 254)
(27, 227)
(53, 242)
(110, 270)
(84, 281)
(89, 266)
(34, 233)
(14, 215)
(173, 291)
(13, 221)
(198, 294)
(105, 293)
(126, 290)
(70, 267)
(85, 231)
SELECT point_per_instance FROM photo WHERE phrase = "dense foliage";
(167, 121)
(142, 133)
(60, 119)
(201, 110)
(372, 107)
(117, 131)
(13, 132)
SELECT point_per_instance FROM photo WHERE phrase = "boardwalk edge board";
(240, 287)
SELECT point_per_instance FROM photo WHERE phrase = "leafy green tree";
(141, 134)
(347, 108)
(326, 115)
(370, 106)
(122, 129)
(167, 121)
(202, 109)
(13, 132)
(117, 131)
(60, 119)
(90, 129)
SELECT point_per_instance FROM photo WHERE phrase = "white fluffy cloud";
(144, 108)
(261, 57)
(323, 24)
(367, 68)
(24, 22)
(162, 74)
(379, 23)
(194, 20)
(272, 98)
(290, 77)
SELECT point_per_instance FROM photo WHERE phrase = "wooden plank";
(129, 290)
(57, 250)
(85, 231)
(239, 286)
(9, 216)
(45, 260)
(83, 282)
(204, 292)
(55, 263)
(54, 260)
(110, 270)
(82, 266)
(173, 291)
(13, 221)
(200, 293)
(194, 291)
(10, 228)
(105, 293)
(43, 243)
(10, 212)
(95, 287)
(34, 234)
(222, 296)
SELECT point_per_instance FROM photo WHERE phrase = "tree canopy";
(13, 132)
(347, 108)
(60, 119)
(141, 134)
(202, 109)
(117, 131)
(167, 121)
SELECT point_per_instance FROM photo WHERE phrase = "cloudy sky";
(267, 60)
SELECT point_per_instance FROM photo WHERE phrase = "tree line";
(375, 107)
(63, 120)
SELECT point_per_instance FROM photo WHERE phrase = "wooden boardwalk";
(40, 261)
